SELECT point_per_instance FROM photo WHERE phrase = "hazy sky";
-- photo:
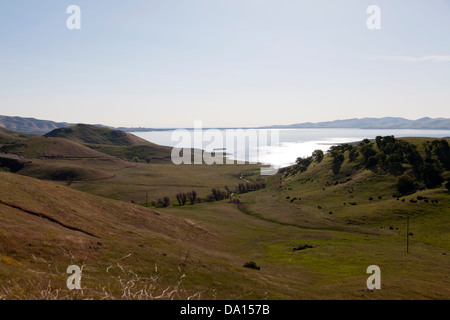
(167, 63)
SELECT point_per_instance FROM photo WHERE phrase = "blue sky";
(168, 63)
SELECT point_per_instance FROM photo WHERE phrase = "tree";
(447, 185)
(318, 155)
(442, 150)
(303, 163)
(372, 162)
(192, 196)
(353, 154)
(367, 151)
(338, 159)
(166, 201)
(431, 175)
(405, 184)
(179, 198)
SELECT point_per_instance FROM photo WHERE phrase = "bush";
(251, 265)
(302, 247)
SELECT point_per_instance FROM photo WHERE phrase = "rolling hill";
(114, 142)
(58, 159)
(42, 147)
(46, 228)
(9, 136)
(88, 134)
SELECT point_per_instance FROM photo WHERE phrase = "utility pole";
(407, 235)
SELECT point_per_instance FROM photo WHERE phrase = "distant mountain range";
(31, 125)
(375, 123)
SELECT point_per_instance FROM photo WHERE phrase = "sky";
(168, 63)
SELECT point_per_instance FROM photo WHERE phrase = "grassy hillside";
(46, 228)
(8, 136)
(59, 159)
(358, 194)
(113, 142)
(83, 133)
(41, 147)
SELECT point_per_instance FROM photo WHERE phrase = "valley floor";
(199, 250)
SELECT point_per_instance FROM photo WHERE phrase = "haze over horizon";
(227, 63)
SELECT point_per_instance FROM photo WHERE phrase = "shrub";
(302, 247)
(251, 265)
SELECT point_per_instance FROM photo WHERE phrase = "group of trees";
(165, 202)
(216, 194)
(302, 163)
(183, 197)
(395, 156)
(391, 155)
(242, 187)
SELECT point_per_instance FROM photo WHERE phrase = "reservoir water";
(293, 143)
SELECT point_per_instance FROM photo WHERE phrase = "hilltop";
(114, 142)
(88, 134)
